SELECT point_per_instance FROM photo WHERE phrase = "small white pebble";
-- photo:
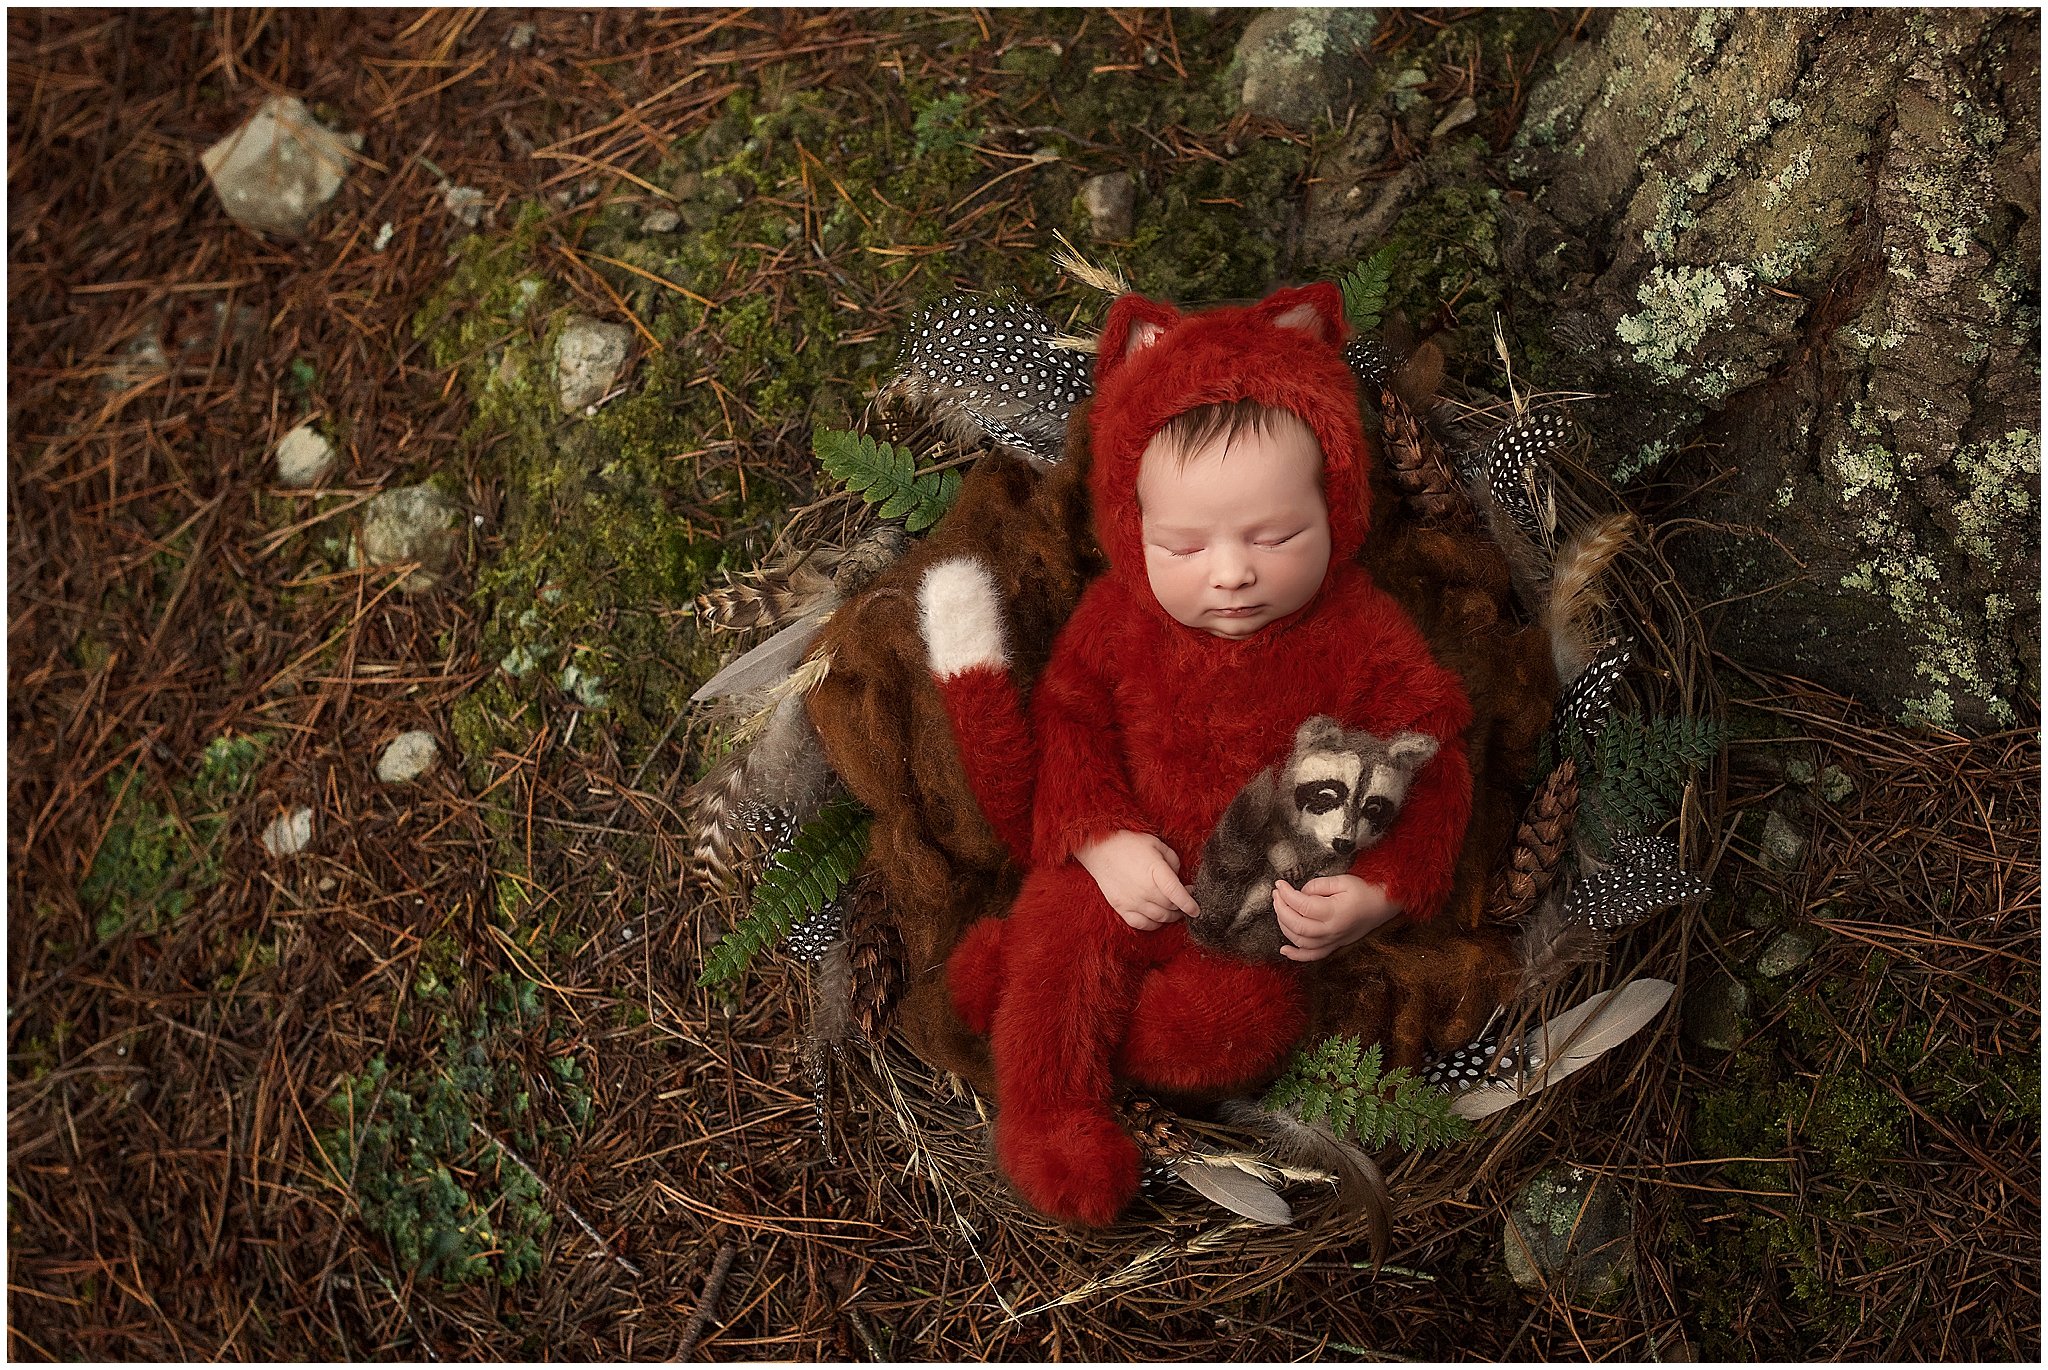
(384, 236)
(289, 833)
(410, 756)
(303, 457)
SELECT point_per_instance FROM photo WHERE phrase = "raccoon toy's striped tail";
(960, 612)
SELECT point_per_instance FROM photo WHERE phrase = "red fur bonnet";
(1156, 363)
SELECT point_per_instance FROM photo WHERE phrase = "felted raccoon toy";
(1336, 796)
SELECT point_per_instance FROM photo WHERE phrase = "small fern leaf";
(800, 882)
(1365, 289)
(1342, 1081)
(882, 474)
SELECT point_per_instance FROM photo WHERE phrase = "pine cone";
(1155, 1128)
(1540, 842)
(1420, 468)
(877, 949)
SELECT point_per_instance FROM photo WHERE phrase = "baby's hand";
(1327, 913)
(1135, 872)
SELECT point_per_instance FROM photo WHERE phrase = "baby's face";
(1234, 541)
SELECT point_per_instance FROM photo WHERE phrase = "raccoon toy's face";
(1325, 800)
(1348, 787)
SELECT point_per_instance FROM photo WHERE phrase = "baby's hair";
(1192, 430)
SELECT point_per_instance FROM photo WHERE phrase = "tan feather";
(1575, 596)
(784, 769)
(1551, 945)
(832, 998)
(1418, 378)
(1245, 1195)
(1569, 1043)
(1361, 1188)
(772, 596)
(1528, 561)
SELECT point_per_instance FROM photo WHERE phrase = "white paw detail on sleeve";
(961, 616)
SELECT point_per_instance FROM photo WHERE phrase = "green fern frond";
(1342, 1083)
(1365, 289)
(798, 883)
(1636, 770)
(888, 476)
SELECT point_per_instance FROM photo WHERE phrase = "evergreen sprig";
(1365, 290)
(798, 883)
(888, 476)
(1343, 1082)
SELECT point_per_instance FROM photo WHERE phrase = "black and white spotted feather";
(1372, 361)
(1589, 697)
(815, 935)
(1643, 878)
(1469, 1065)
(1517, 465)
(989, 368)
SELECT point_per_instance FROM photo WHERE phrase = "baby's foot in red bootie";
(1079, 1167)
(1206, 1022)
(974, 973)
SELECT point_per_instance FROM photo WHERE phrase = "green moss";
(419, 1146)
(161, 847)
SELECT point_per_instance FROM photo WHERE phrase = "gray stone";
(586, 687)
(279, 169)
(1817, 232)
(1111, 201)
(1787, 952)
(521, 37)
(410, 756)
(661, 221)
(1300, 65)
(1783, 846)
(1571, 1228)
(1714, 1011)
(1461, 114)
(303, 457)
(465, 203)
(588, 359)
(413, 523)
(289, 833)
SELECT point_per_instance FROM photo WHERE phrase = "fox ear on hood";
(1317, 310)
(1134, 324)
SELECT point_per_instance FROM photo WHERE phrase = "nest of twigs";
(1175, 1249)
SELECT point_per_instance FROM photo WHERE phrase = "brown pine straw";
(168, 1195)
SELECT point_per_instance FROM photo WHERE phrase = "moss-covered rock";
(1802, 247)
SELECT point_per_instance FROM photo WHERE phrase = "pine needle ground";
(177, 1191)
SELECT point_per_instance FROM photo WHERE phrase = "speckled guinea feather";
(1517, 465)
(988, 368)
(1372, 361)
(1469, 1064)
(1621, 895)
(1589, 697)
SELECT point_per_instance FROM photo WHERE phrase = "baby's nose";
(1342, 845)
(1232, 571)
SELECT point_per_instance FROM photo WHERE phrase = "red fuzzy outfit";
(1140, 723)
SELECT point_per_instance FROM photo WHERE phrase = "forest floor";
(443, 1086)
